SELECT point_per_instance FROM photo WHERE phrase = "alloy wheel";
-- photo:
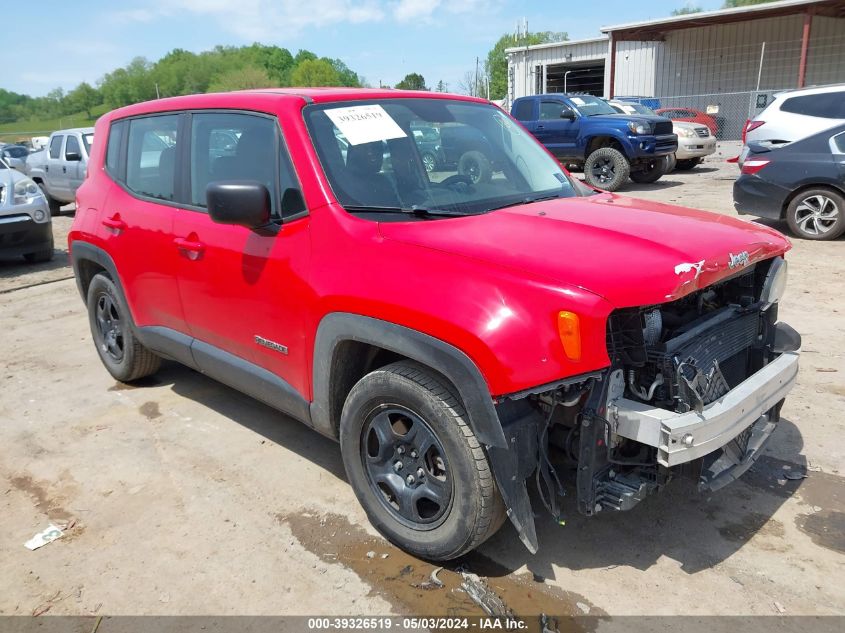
(604, 170)
(816, 215)
(109, 327)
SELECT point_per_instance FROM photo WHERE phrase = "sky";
(381, 40)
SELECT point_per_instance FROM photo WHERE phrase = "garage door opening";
(584, 78)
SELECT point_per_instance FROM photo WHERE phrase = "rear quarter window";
(829, 105)
(116, 133)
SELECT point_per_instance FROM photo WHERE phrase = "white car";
(795, 115)
(695, 140)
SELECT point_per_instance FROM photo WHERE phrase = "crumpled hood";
(631, 252)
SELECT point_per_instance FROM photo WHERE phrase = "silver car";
(15, 156)
(25, 225)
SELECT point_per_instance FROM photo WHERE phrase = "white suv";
(796, 114)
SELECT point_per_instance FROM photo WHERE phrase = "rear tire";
(653, 171)
(114, 337)
(415, 465)
(606, 168)
(690, 163)
(817, 214)
(475, 165)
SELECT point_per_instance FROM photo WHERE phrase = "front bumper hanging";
(684, 437)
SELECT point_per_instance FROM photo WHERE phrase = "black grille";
(703, 132)
(663, 127)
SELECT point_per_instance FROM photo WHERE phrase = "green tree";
(496, 65)
(241, 79)
(83, 97)
(314, 72)
(687, 9)
(412, 81)
(442, 86)
(730, 4)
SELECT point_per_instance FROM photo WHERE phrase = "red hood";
(631, 252)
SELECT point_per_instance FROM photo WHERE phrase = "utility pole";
(477, 91)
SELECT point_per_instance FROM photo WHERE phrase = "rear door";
(244, 290)
(524, 112)
(802, 116)
(137, 218)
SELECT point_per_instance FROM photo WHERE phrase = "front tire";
(651, 172)
(817, 214)
(415, 465)
(39, 257)
(54, 205)
(690, 163)
(476, 166)
(120, 351)
(606, 168)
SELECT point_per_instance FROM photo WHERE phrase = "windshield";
(88, 140)
(456, 157)
(589, 105)
(626, 107)
(16, 151)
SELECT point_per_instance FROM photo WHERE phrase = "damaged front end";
(694, 388)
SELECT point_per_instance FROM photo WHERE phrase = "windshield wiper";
(529, 200)
(412, 210)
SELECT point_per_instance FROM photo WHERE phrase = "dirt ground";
(185, 497)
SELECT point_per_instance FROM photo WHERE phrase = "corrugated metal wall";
(707, 60)
(635, 68)
(726, 58)
(523, 65)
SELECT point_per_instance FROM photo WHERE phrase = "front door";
(244, 290)
(57, 180)
(555, 130)
(73, 169)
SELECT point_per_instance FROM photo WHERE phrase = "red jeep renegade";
(459, 324)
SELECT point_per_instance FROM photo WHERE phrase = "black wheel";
(415, 465)
(429, 161)
(651, 171)
(121, 352)
(40, 256)
(606, 168)
(817, 214)
(475, 165)
(690, 163)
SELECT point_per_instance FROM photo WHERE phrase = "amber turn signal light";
(569, 329)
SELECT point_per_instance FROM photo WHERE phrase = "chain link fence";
(723, 86)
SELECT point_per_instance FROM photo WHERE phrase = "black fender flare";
(457, 367)
(84, 251)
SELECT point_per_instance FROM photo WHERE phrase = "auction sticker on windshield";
(365, 124)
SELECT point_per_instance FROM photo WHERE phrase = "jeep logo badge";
(740, 259)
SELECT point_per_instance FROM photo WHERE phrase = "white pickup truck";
(60, 168)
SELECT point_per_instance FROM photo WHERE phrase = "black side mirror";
(241, 202)
(73, 156)
(567, 114)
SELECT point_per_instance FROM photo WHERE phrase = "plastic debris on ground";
(48, 535)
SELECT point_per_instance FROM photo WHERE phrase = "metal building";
(726, 62)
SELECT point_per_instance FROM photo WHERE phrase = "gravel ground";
(185, 497)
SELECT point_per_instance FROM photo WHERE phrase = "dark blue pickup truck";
(585, 131)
